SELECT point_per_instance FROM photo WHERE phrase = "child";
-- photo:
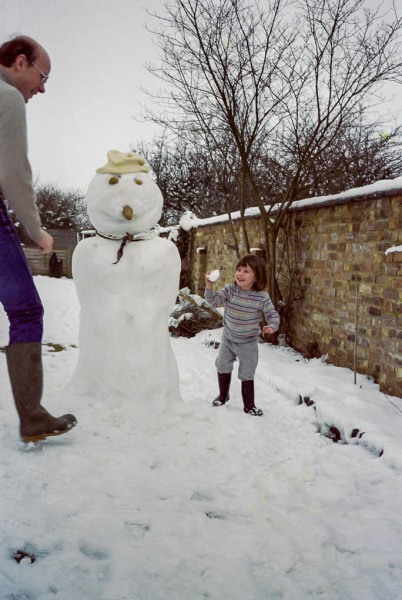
(245, 303)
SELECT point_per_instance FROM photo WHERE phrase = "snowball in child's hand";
(214, 275)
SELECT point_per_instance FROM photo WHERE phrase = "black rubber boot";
(247, 391)
(24, 362)
(224, 385)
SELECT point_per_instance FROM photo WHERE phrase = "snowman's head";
(122, 197)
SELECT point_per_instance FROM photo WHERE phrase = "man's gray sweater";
(15, 170)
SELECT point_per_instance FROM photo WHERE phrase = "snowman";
(127, 280)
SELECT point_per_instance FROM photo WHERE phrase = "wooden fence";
(39, 262)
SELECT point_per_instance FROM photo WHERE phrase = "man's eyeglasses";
(44, 76)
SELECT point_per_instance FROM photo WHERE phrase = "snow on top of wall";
(393, 249)
(189, 220)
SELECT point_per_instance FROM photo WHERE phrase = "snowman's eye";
(113, 180)
(138, 181)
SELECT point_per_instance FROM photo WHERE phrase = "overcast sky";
(98, 50)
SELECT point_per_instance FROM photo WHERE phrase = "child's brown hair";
(258, 266)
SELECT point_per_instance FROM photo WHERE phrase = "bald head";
(27, 63)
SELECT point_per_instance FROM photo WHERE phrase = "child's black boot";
(247, 391)
(224, 385)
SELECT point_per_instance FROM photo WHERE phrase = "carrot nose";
(128, 213)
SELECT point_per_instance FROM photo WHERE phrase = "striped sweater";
(243, 311)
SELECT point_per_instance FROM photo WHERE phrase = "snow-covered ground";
(206, 502)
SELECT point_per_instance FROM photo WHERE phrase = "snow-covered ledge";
(385, 187)
(393, 249)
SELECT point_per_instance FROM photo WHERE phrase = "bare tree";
(281, 82)
(61, 209)
(359, 156)
(186, 176)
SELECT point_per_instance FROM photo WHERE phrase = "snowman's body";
(124, 343)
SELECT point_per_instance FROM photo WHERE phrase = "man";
(24, 70)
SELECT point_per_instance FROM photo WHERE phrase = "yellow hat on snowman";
(120, 163)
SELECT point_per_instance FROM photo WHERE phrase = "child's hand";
(208, 284)
(266, 330)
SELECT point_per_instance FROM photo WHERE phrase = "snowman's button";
(138, 181)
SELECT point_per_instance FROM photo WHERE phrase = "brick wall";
(345, 275)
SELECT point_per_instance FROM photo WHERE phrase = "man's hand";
(45, 243)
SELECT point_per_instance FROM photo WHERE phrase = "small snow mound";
(294, 390)
(188, 220)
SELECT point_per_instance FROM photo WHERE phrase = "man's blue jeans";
(18, 293)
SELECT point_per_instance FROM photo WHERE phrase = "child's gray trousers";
(246, 353)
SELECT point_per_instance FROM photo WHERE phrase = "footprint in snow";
(92, 552)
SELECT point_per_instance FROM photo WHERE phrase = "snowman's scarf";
(129, 237)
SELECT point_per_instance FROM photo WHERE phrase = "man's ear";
(20, 61)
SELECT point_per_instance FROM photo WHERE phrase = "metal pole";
(356, 318)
